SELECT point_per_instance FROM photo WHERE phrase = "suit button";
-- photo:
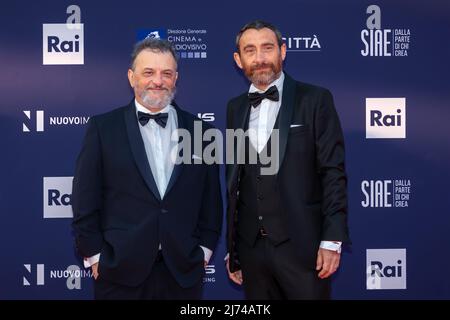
(164, 211)
(260, 218)
(258, 178)
(260, 198)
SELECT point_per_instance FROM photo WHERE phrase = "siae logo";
(386, 269)
(385, 118)
(377, 41)
(39, 273)
(386, 193)
(63, 43)
(57, 196)
(377, 193)
(39, 116)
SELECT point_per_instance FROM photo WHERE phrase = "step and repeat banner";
(386, 63)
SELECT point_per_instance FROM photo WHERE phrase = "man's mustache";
(261, 66)
(157, 88)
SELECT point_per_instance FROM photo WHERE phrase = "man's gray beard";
(158, 103)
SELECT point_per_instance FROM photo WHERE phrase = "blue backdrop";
(386, 65)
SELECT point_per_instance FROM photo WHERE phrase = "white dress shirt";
(158, 146)
(262, 118)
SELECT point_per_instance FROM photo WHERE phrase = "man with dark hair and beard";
(284, 230)
(144, 222)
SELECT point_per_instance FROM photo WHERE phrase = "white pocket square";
(194, 156)
(296, 125)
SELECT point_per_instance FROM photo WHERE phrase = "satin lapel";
(178, 168)
(241, 121)
(138, 149)
(286, 112)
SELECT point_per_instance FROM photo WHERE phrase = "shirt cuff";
(91, 260)
(331, 245)
(208, 253)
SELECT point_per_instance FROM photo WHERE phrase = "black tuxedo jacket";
(311, 177)
(119, 213)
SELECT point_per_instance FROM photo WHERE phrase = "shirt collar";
(140, 107)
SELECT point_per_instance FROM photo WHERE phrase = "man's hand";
(236, 277)
(94, 269)
(327, 262)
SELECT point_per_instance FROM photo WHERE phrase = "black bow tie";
(255, 98)
(160, 118)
